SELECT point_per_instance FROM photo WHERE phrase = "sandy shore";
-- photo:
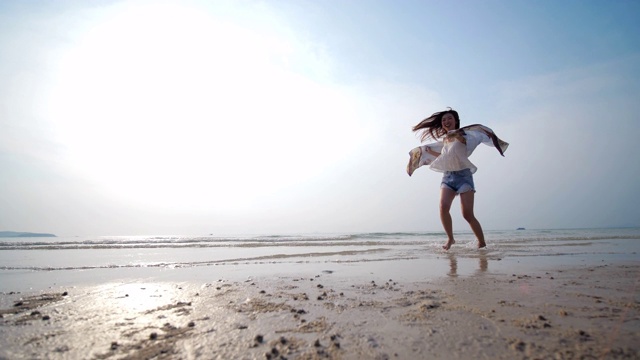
(571, 313)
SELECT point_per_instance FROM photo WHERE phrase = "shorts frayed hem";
(463, 189)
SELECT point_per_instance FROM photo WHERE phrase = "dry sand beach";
(573, 312)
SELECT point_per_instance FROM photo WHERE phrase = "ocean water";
(32, 263)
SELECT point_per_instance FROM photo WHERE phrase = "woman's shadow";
(453, 264)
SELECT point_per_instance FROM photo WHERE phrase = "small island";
(15, 234)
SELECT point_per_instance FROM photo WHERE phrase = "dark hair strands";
(432, 126)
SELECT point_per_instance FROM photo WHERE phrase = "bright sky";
(290, 116)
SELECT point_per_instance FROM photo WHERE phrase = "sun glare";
(168, 104)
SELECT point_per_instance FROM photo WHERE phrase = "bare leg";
(446, 198)
(466, 202)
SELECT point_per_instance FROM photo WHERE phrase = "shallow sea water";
(38, 263)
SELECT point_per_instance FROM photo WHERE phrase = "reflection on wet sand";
(453, 264)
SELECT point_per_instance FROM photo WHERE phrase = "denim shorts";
(458, 181)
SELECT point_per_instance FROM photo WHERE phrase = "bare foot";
(482, 245)
(447, 246)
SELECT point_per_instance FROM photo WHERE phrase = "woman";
(451, 156)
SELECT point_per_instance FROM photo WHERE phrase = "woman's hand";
(431, 152)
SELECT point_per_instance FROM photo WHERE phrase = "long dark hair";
(432, 126)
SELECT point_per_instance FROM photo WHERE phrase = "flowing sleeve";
(419, 156)
(477, 134)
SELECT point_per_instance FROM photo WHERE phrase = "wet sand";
(589, 311)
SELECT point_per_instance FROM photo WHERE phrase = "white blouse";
(455, 149)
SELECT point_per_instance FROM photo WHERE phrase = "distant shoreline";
(14, 234)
